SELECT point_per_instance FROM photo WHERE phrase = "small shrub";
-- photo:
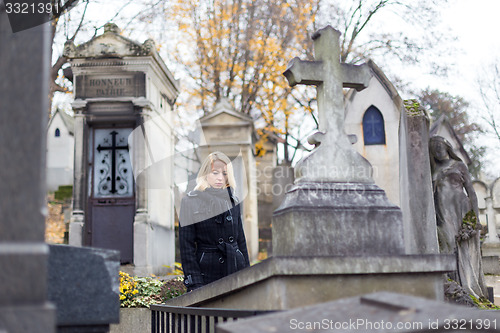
(144, 291)
(484, 304)
(172, 288)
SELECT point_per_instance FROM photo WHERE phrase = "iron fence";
(178, 319)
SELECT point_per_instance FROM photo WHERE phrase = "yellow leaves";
(241, 48)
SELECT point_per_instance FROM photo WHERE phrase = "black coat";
(211, 237)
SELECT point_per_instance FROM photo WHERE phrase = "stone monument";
(490, 248)
(457, 215)
(124, 95)
(84, 286)
(377, 312)
(231, 132)
(417, 202)
(336, 234)
(334, 189)
(24, 64)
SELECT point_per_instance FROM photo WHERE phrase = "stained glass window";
(373, 127)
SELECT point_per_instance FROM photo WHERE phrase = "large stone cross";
(334, 160)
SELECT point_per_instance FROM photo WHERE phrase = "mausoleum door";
(112, 198)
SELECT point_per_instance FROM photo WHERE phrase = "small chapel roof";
(225, 106)
(68, 121)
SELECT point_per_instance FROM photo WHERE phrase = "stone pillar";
(141, 218)
(417, 201)
(139, 158)
(25, 64)
(492, 237)
(77, 221)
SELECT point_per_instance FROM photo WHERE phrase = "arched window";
(373, 127)
(58, 133)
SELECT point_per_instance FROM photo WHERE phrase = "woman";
(450, 177)
(212, 241)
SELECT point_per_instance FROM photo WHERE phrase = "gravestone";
(266, 161)
(24, 68)
(336, 234)
(334, 188)
(124, 95)
(417, 202)
(377, 312)
(485, 198)
(231, 132)
(84, 286)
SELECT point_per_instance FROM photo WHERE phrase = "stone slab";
(490, 249)
(24, 65)
(24, 68)
(84, 285)
(116, 84)
(37, 318)
(491, 265)
(377, 312)
(417, 202)
(333, 219)
(494, 282)
(18, 262)
(269, 283)
(133, 320)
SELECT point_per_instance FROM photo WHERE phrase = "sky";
(477, 26)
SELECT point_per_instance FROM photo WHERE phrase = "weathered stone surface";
(36, 318)
(456, 207)
(333, 219)
(83, 283)
(377, 312)
(283, 283)
(335, 160)
(119, 84)
(417, 202)
(490, 249)
(24, 68)
(491, 265)
(133, 320)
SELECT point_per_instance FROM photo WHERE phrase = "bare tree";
(489, 90)
(394, 29)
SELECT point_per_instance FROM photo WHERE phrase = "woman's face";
(217, 178)
(439, 151)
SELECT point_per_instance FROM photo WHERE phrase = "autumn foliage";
(238, 49)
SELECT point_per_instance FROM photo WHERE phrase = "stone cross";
(334, 160)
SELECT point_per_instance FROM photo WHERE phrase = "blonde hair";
(206, 168)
